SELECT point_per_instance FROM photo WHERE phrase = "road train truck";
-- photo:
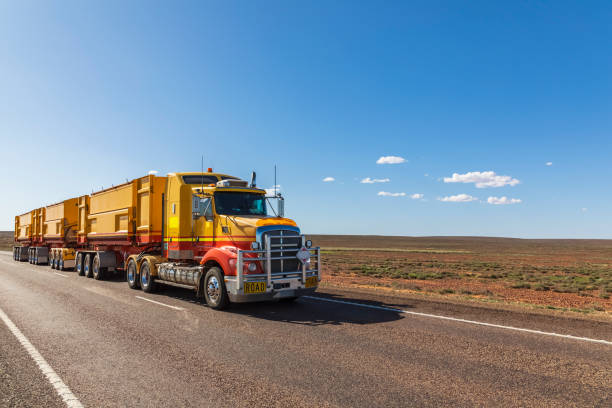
(214, 233)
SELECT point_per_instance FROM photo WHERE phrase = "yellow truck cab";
(223, 236)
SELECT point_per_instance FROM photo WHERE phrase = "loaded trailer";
(210, 232)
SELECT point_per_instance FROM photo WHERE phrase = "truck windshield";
(235, 203)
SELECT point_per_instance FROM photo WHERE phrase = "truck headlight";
(252, 267)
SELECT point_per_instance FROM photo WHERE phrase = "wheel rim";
(144, 279)
(212, 289)
(61, 265)
(131, 274)
(79, 264)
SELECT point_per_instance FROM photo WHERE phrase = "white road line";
(160, 303)
(61, 274)
(454, 319)
(62, 389)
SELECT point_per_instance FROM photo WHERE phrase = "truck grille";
(284, 243)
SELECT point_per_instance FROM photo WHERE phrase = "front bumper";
(270, 295)
(281, 283)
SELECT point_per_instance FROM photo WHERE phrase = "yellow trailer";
(24, 226)
(119, 221)
(59, 234)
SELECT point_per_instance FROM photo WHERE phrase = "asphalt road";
(112, 348)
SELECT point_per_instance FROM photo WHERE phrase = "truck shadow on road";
(307, 311)
(313, 312)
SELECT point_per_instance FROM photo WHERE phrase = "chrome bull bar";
(266, 256)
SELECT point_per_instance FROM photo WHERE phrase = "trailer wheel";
(146, 280)
(98, 272)
(79, 264)
(215, 292)
(87, 266)
(131, 273)
(52, 260)
(60, 263)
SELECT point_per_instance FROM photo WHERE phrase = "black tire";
(146, 280)
(60, 262)
(87, 266)
(79, 264)
(288, 299)
(98, 271)
(52, 260)
(215, 292)
(131, 274)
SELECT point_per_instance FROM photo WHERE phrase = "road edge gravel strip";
(61, 388)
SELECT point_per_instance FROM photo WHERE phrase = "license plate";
(311, 281)
(254, 287)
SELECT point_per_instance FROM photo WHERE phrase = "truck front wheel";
(215, 292)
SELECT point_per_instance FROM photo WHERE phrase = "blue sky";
(94, 93)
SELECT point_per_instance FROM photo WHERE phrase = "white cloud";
(482, 179)
(417, 196)
(584, 209)
(387, 194)
(503, 200)
(368, 180)
(549, 163)
(459, 198)
(153, 171)
(390, 160)
(273, 190)
(328, 179)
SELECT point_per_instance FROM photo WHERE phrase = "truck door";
(205, 224)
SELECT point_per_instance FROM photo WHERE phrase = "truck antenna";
(202, 180)
(275, 185)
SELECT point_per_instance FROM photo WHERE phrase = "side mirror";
(281, 206)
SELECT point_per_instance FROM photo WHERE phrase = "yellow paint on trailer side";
(82, 218)
(25, 226)
(128, 209)
(61, 220)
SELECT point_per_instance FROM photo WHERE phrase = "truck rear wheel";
(60, 263)
(52, 260)
(79, 264)
(146, 280)
(97, 271)
(87, 266)
(131, 273)
(215, 292)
